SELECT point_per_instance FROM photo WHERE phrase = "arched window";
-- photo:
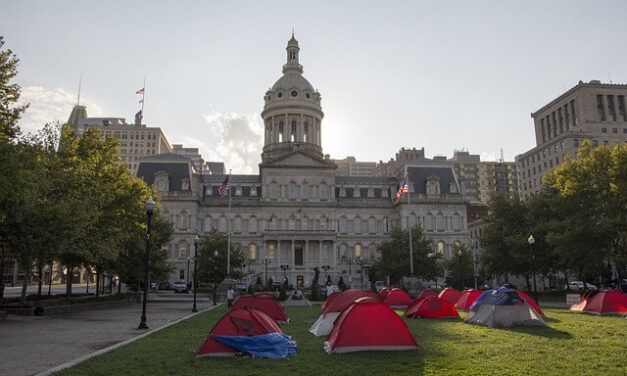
(271, 251)
(372, 252)
(183, 249)
(357, 225)
(207, 225)
(304, 190)
(372, 225)
(274, 190)
(343, 224)
(456, 222)
(323, 191)
(343, 252)
(292, 191)
(237, 224)
(222, 224)
(253, 225)
(429, 222)
(253, 252)
(441, 247)
(357, 251)
(183, 224)
(441, 225)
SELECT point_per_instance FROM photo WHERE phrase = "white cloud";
(236, 140)
(47, 106)
(488, 157)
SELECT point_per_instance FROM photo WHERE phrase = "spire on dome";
(292, 56)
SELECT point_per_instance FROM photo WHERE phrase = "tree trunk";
(119, 287)
(50, 279)
(40, 272)
(24, 287)
(2, 255)
(97, 283)
(68, 282)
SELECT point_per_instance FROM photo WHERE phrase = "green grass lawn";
(574, 344)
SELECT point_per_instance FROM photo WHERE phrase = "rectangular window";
(543, 130)
(576, 143)
(561, 120)
(600, 108)
(182, 274)
(614, 130)
(548, 127)
(621, 108)
(595, 143)
(603, 130)
(573, 113)
(610, 107)
(566, 115)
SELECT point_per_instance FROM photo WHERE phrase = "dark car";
(165, 285)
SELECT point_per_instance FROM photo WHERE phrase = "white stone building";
(298, 212)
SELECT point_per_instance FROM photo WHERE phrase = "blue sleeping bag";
(273, 345)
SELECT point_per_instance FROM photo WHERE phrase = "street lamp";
(361, 264)
(266, 260)
(187, 281)
(461, 280)
(326, 271)
(215, 266)
(474, 262)
(531, 240)
(350, 277)
(196, 241)
(285, 268)
(150, 207)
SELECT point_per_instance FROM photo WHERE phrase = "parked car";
(165, 285)
(179, 286)
(579, 286)
(241, 286)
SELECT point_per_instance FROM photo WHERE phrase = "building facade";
(301, 211)
(592, 110)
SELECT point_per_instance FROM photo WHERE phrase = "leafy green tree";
(460, 268)
(394, 260)
(9, 95)
(212, 268)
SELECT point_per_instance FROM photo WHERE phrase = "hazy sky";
(439, 75)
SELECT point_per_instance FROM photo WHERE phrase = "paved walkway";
(30, 345)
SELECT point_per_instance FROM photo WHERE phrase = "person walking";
(230, 294)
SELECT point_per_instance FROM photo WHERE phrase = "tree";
(460, 268)
(9, 95)
(394, 260)
(212, 269)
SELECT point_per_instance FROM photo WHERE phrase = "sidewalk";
(30, 344)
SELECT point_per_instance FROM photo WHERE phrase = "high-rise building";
(467, 169)
(592, 110)
(136, 140)
(349, 166)
(192, 153)
(498, 178)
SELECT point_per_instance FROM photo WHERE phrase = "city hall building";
(299, 213)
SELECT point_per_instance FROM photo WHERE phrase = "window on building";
(350, 192)
(600, 108)
(293, 131)
(323, 191)
(357, 251)
(274, 190)
(363, 192)
(253, 252)
(271, 251)
(595, 143)
(576, 142)
(292, 191)
(603, 130)
(614, 130)
(281, 126)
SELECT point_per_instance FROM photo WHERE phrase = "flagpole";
(143, 97)
(411, 248)
(228, 246)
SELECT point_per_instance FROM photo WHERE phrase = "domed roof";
(292, 80)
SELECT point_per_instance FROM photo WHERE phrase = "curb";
(76, 361)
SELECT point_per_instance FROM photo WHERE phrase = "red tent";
(237, 322)
(265, 294)
(346, 298)
(531, 302)
(466, 298)
(607, 302)
(330, 298)
(383, 293)
(583, 300)
(266, 304)
(427, 292)
(450, 295)
(432, 307)
(369, 326)
(397, 298)
(415, 302)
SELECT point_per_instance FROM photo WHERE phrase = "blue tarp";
(273, 345)
(498, 296)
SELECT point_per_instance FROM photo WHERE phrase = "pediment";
(299, 159)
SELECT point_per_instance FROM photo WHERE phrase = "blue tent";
(503, 308)
(273, 345)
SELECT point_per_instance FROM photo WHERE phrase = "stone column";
(293, 262)
(306, 255)
(334, 254)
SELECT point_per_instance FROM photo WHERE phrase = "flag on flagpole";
(223, 190)
(402, 189)
(140, 91)
(141, 100)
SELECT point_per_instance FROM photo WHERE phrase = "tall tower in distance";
(292, 114)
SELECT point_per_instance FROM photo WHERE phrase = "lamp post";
(326, 271)
(361, 271)
(350, 277)
(215, 266)
(474, 262)
(196, 241)
(531, 240)
(150, 206)
(461, 280)
(285, 268)
(266, 260)
(187, 281)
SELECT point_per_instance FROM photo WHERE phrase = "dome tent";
(385, 330)
(427, 292)
(330, 313)
(383, 293)
(263, 303)
(531, 302)
(466, 298)
(607, 302)
(397, 298)
(583, 300)
(503, 308)
(237, 322)
(431, 307)
(450, 295)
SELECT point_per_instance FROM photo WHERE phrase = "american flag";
(140, 91)
(223, 190)
(402, 189)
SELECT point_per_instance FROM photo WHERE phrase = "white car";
(579, 286)
(179, 287)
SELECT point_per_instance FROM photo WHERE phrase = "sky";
(445, 76)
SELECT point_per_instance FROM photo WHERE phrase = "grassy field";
(574, 344)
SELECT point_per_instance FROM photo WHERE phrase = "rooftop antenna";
(609, 77)
(292, 32)
(78, 99)
(502, 159)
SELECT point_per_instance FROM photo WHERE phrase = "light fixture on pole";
(531, 240)
(475, 273)
(266, 260)
(461, 279)
(187, 281)
(215, 266)
(195, 279)
(150, 207)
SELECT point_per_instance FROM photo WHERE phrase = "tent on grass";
(369, 326)
(383, 293)
(503, 308)
(607, 302)
(466, 298)
(329, 299)
(427, 292)
(324, 323)
(431, 307)
(267, 304)
(237, 322)
(583, 300)
(265, 294)
(531, 302)
(397, 298)
(450, 295)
